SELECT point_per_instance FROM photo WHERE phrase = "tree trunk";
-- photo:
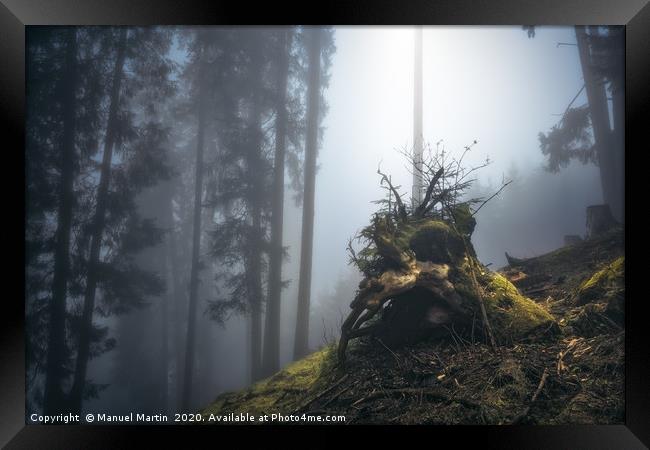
(599, 114)
(618, 202)
(255, 281)
(167, 299)
(56, 350)
(618, 110)
(83, 355)
(417, 120)
(301, 343)
(271, 361)
(254, 263)
(174, 277)
(196, 247)
(599, 220)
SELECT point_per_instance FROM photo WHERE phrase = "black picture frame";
(15, 15)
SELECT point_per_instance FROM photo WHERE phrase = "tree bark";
(271, 362)
(196, 246)
(56, 350)
(301, 343)
(83, 355)
(599, 114)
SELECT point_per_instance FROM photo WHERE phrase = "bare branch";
(423, 206)
(491, 197)
(400, 205)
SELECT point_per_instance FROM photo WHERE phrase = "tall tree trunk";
(255, 286)
(618, 107)
(56, 350)
(598, 110)
(271, 362)
(618, 112)
(196, 246)
(254, 263)
(83, 354)
(177, 301)
(417, 120)
(167, 299)
(301, 343)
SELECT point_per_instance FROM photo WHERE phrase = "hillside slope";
(573, 374)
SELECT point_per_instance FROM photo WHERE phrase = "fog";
(493, 85)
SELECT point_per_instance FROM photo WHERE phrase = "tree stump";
(428, 280)
(599, 220)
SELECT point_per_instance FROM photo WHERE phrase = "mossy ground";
(458, 379)
(511, 314)
(603, 283)
(282, 392)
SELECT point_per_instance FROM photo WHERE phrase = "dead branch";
(338, 394)
(440, 197)
(431, 393)
(398, 199)
(492, 196)
(391, 352)
(515, 262)
(432, 184)
(324, 392)
(526, 411)
(353, 254)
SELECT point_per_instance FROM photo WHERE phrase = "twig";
(574, 99)
(392, 352)
(523, 415)
(541, 385)
(325, 392)
(398, 199)
(491, 197)
(538, 290)
(422, 207)
(439, 359)
(428, 393)
(416, 357)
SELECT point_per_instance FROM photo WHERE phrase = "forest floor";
(573, 375)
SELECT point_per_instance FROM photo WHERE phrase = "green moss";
(432, 240)
(465, 221)
(282, 392)
(404, 233)
(511, 314)
(602, 283)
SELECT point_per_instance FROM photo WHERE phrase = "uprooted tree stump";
(422, 276)
(428, 281)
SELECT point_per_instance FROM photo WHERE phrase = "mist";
(493, 85)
